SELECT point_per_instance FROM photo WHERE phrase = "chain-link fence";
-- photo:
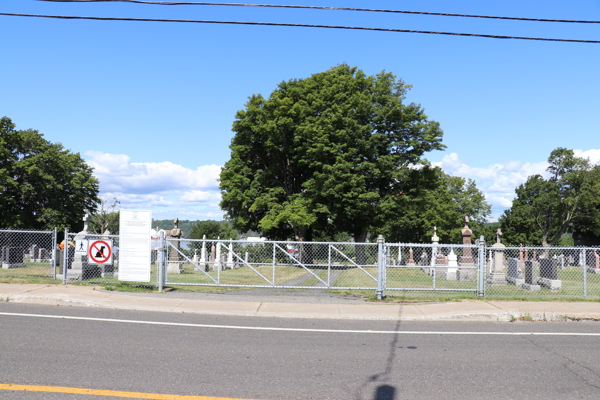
(542, 272)
(89, 258)
(432, 267)
(27, 254)
(498, 271)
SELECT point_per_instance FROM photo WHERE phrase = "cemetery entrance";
(243, 263)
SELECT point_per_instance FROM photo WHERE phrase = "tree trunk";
(360, 237)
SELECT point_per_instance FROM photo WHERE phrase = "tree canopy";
(433, 198)
(42, 185)
(546, 209)
(324, 154)
(214, 230)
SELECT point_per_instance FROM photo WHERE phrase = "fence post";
(481, 260)
(273, 261)
(380, 265)
(54, 252)
(66, 256)
(160, 263)
(329, 266)
(585, 278)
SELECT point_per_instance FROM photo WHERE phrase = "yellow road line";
(113, 393)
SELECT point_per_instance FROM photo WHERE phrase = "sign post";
(135, 245)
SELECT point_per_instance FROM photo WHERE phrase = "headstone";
(548, 268)
(514, 277)
(203, 253)
(411, 260)
(466, 260)
(530, 276)
(548, 274)
(521, 254)
(218, 264)
(32, 255)
(230, 255)
(42, 255)
(174, 264)
(12, 257)
(435, 243)
(451, 273)
(593, 262)
(497, 277)
(424, 258)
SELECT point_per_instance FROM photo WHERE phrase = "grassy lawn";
(33, 272)
(355, 277)
(289, 275)
(572, 286)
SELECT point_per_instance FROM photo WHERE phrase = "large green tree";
(323, 154)
(42, 185)
(433, 198)
(545, 209)
(213, 230)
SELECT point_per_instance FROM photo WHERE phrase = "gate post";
(380, 267)
(481, 291)
(160, 262)
(55, 253)
(65, 267)
(585, 276)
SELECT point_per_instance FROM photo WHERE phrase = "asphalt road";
(444, 360)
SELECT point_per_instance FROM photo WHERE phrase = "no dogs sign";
(100, 252)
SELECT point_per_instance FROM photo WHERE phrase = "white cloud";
(169, 190)
(593, 155)
(496, 181)
(117, 173)
(194, 196)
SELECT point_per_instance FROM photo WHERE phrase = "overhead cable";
(362, 28)
(188, 3)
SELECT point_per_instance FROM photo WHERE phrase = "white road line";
(265, 328)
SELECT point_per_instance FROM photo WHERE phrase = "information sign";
(135, 245)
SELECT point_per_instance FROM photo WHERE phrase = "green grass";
(571, 277)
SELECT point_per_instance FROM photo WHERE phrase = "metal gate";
(242, 263)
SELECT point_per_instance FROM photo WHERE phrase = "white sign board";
(81, 247)
(134, 245)
(100, 251)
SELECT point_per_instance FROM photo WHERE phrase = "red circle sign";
(102, 259)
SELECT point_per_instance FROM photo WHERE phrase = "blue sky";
(150, 105)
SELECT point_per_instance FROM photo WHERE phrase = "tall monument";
(466, 260)
(174, 266)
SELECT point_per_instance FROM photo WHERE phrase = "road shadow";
(384, 391)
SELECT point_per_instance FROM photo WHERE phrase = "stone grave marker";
(530, 276)
(174, 265)
(593, 262)
(13, 257)
(548, 274)
(514, 277)
(466, 260)
(497, 277)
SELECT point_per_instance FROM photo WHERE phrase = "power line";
(299, 26)
(184, 3)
